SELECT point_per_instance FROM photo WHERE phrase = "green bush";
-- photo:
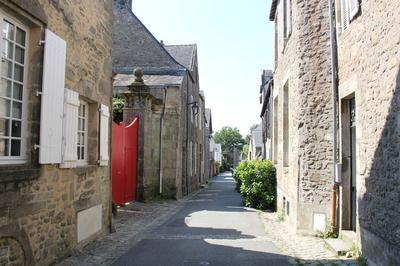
(256, 182)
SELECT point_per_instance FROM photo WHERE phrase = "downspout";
(187, 134)
(161, 139)
(334, 76)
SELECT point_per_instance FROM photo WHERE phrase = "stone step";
(349, 236)
(339, 246)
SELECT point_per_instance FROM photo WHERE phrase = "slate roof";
(134, 45)
(184, 54)
(124, 80)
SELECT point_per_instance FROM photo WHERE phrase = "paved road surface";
(213, 228)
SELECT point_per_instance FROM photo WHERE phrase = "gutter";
(161, 140)
(334, 76)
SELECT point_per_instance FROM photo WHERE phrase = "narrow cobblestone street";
(208, 228)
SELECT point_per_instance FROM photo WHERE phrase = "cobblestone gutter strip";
(132, 223)
(305, 250)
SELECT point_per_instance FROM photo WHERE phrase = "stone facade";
(266, 92)
(172, 80)
(39, 203)
(368, 55)
(302, 113)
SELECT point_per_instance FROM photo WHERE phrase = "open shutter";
(289, 17)
(70, 129)
(51, 118)
(104, 127)
(354, 7)
(345, 14)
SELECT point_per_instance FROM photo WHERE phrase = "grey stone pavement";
(210, 227)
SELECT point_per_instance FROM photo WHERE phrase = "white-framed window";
(83, 114)
(13, 76)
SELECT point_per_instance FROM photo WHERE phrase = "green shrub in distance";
(256, 182)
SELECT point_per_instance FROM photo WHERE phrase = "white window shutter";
(104, 141)
(70, 129)
(289, 17)
(51, 118)
(345, 14)
(354, 7)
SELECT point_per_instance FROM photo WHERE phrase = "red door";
(124, 161)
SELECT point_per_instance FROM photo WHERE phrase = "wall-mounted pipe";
(334, 76)
(161, 139)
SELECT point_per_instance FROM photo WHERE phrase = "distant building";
(170, 106)
(209, 158)
(266, 91)
(256, 145)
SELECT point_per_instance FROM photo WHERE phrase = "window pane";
(83, 111)
(16, 128)
(17, 110)
(82, 153)
(18, 73)
(79, 153)
(79, 124)
(4, 147)
(83, 124)
(20, 37)
(5, 88)
(4, 107)
(8, 30)
(19, 55)
(15, 147)
(17, 91)
(6, 68)
(4, 126)
(83, 138)
(7, 49)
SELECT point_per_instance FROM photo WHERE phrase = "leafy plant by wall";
(118, 105)
(256, 182)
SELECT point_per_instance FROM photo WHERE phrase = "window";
(287, 18)
(12, 86)
(275, 133)
(82, 132)
(286, 124)
(287, 21)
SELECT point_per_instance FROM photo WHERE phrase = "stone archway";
(14, 246)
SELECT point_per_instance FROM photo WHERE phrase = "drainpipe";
(187, 133)
(334, 76)
(161, 139)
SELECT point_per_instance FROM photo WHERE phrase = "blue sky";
(234, 41)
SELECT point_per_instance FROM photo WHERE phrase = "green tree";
(230, 139)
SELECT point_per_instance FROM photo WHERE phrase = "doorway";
(348, 205)
(353, 164)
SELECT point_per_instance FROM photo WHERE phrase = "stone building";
(55, 95)
(369, 136)
(256, 143)
(302, 131)
(169, 112)
(266, 91)
(208, 156)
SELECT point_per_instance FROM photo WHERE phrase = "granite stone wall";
(303, 66)
(39, 203)
(369, 60)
